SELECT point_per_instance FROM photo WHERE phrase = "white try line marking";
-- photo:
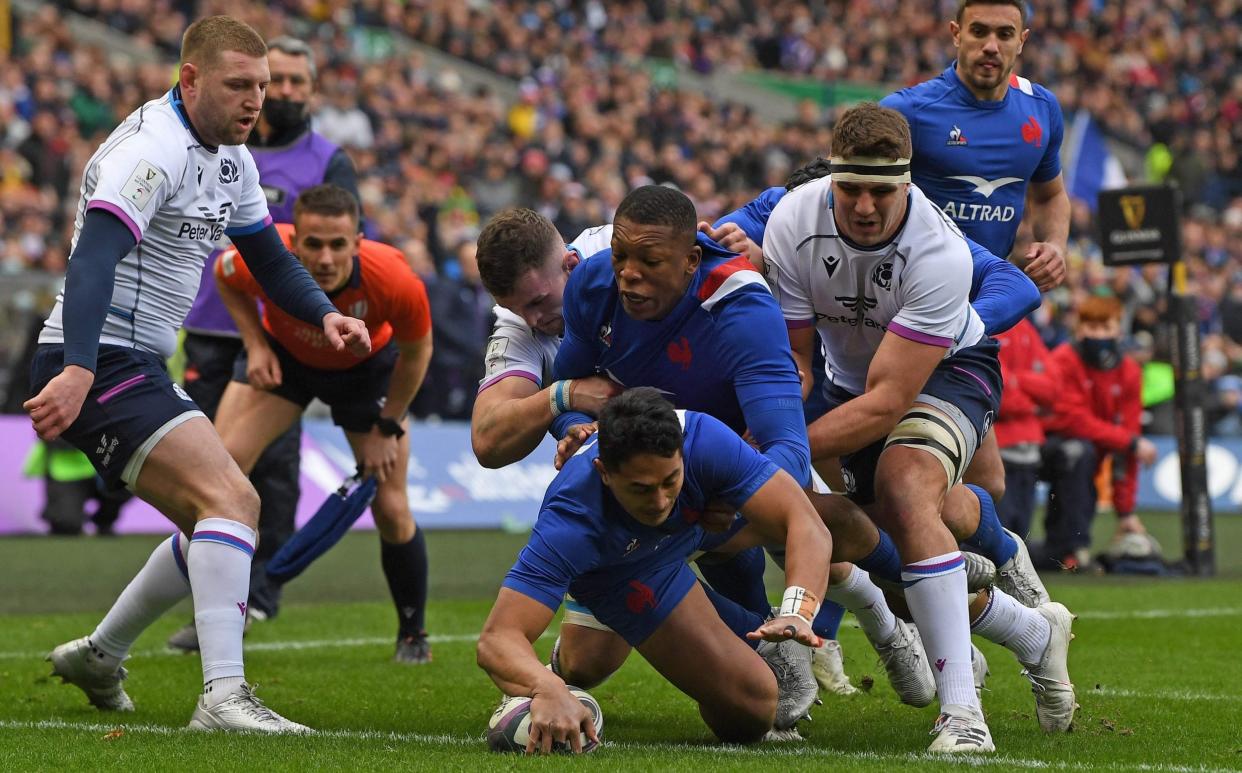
(1156, 614)
(1164, 695)
(312, 644)
(279, 646)
(764, 751)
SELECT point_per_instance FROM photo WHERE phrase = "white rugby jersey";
(180, 199)
(916, 285)
(514, 348)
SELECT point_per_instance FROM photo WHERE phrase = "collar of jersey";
(179, 108)
(969, 98)
(355, 279)
(875, 247)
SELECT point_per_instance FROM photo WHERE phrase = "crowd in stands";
(436, 157)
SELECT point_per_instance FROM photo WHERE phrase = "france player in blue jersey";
(669, 308)
(616, 527)
(987, 141)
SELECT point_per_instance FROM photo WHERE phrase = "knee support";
(940, 430)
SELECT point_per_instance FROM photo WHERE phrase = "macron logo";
(986, 187)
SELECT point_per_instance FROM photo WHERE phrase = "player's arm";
(286, 282)
(802, 344)
(999, 291)
(505, 653)
(781, 513)
(1048, 209)
(104, 241)
(512, 415)
(897, 374)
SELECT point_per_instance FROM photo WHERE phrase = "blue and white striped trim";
(223, 538)
(911, 573)
(177, 557)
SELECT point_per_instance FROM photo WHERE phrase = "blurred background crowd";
(596, 98)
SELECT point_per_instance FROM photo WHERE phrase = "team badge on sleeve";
(143, 182)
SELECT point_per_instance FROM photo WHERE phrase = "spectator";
(1096, 417)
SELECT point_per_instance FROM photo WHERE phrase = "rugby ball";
(509, 728)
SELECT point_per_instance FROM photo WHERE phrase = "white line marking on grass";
(767, 751)
(1154, 614)
(310, 644)
(279, 646)
(1166, 695)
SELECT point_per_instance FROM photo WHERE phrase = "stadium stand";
(438, 154)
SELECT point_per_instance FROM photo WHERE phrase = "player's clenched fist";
(57, 405)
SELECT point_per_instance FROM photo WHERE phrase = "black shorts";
(131, 406)
(355, 395)
(967, 385)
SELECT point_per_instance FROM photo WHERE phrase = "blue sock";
(990, 539)
(739, 619)
(740, 579)
(883, 562)
(828, 621)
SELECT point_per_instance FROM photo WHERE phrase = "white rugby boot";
(1018, 578)
(243, 712)
(906, 664)
(93, 672)
(1050, 681)
(829, 669)
(790, 661)
(961, 730)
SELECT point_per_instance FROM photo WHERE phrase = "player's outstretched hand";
(573, 440)
(1045, 265)
(786, 627)
(556, 716)
(58, 404)
(263, 368)
(346, 332)
(733, 238)
(589, 394)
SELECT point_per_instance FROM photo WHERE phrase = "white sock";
(162, 582)
(219, 560)
(936, 595)
(859, 594)
(1021, 630)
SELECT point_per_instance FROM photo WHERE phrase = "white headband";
(867, 169)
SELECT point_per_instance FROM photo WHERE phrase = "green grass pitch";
(1156, 665)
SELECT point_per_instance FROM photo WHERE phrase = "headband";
(867, 169)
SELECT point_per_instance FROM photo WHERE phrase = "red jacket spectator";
(1032, 386)
(1102, 406)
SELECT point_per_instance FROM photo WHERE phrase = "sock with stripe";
(405, 568)
(163, 581)
(1020, 629)
(739, 619)
(861, 596)
(219, 561)
(740, 579)
(990, 539)
(936, 595)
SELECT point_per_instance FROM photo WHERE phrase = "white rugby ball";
(509, 728)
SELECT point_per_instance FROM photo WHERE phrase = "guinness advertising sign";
(1140, 225)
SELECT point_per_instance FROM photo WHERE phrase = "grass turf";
(1154, 662)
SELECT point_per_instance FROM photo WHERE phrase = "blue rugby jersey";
(583, 540)
(722, 350)
(974, 158)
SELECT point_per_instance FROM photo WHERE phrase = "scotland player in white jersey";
(914, 384)
(165, 186)
(524, 264)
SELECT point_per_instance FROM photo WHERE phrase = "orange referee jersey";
(382, 291)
